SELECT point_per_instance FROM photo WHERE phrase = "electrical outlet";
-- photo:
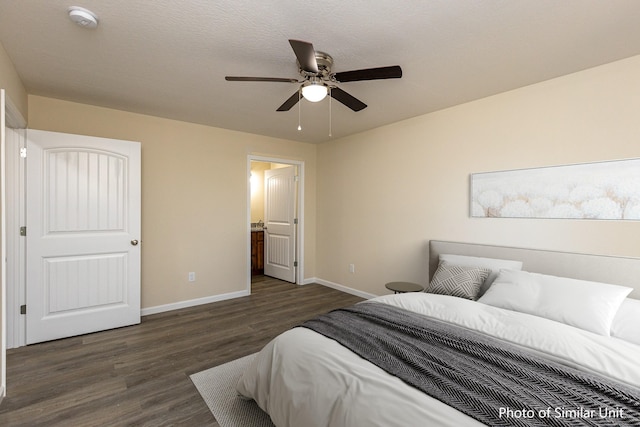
(352, 268)
(192, 276)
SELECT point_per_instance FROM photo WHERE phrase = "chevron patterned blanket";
(492, 381)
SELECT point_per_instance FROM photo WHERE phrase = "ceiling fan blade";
(392, 72)
(293, 100)
(259, 79)
(348, 100)
(306, 55)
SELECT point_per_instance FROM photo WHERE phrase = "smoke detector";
(83, 17)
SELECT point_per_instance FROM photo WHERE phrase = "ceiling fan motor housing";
(325, 62)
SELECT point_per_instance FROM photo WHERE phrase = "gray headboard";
(598, 268)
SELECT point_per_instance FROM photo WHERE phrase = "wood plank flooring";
(139, 375)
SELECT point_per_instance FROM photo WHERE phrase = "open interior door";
(83, 230)
(280, 189)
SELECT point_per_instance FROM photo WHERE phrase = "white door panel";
(83, 216)
(280, 229)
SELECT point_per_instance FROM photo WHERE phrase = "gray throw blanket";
(494, 382)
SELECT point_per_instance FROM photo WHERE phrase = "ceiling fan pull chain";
(330, 112)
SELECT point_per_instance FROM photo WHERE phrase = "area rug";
(217, 386)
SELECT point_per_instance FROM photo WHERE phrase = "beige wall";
(384, 193)
(10, 82)
(257, 190)
(381, 195)
(194, 195)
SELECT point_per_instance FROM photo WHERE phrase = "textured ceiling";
(168, 58)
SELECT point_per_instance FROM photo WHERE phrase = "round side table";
(402, 287)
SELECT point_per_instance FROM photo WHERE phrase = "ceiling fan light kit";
(314, 91)
(318, 80)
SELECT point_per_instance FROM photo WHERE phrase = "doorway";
(13, 140)
(263, 237)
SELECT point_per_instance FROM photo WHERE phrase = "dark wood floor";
(139, 375)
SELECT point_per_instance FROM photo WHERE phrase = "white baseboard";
(215, 298)
(192, 303)
(342, 288)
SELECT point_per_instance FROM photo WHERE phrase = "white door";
(280, 228)
(83, 230)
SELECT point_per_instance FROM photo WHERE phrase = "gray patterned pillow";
(457, 280)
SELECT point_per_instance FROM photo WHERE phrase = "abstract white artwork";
(604, 190)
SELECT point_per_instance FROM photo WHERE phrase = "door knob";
(134, 243)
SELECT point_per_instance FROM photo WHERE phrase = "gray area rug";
(217, 386)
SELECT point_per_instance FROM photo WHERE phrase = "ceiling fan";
(318, 80)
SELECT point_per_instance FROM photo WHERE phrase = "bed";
(505, 336)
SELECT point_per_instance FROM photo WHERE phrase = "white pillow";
(626, 324)
(493, 264)
(587, 305)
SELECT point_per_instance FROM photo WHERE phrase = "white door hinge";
(23, 153)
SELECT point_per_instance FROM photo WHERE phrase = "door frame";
(14, 287)
(300, 209)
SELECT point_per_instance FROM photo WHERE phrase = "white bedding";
(302, 378)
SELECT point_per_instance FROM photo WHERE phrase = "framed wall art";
(607, 190)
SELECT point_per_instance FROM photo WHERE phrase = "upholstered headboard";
(598, 268)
